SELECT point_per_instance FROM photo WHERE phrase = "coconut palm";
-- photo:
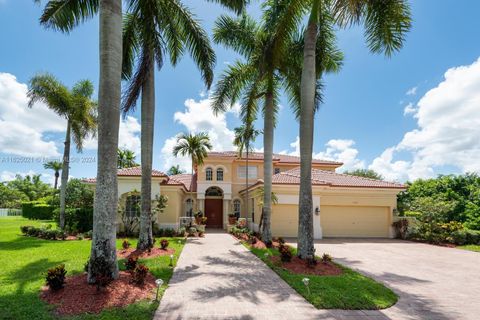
(126, 158)
(56, 166)
(195, 146)
(65, 15)
(244, 136)
(76, 107)
(152, 30)
(254, 79)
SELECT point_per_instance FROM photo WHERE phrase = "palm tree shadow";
(30, 273)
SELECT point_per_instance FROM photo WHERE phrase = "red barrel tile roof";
(281, 158)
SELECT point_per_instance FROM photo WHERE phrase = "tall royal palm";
(385, 23)
(64, 15)
(255, 79)
(56, 166)
(76, 107)
(152, 30)
(195, 146)
(244, 136)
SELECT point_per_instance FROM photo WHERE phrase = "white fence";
(10, 212)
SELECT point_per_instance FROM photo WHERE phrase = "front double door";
(214, 213)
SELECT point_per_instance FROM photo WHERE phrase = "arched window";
(132, 205)
(219, 174)
(209, 174)
(214, 192)
(236, 207)
(189, 207)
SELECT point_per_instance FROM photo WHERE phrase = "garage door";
(350, 221)
(285, 220)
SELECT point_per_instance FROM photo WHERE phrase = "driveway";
(432, 282)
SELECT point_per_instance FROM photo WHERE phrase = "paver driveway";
(217, 278)
(432, 282)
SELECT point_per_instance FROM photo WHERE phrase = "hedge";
(77, 219)
(37, 210)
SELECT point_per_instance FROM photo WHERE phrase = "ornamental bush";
(55, 278)
(37, 210)
(139, 274)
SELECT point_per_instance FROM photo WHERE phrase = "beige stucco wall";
(169, 216)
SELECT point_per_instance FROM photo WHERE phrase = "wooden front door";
(214, 213)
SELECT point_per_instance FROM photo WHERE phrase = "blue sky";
(366, 120)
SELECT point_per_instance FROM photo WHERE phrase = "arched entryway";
(214, 207)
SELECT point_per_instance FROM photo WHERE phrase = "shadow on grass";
(22, 243)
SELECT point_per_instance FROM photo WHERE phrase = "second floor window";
(219, 174)
(277, 170)
(209, 174)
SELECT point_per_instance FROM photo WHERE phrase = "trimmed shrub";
(164, 244)
(326, 258)
(55, 278)
(131, 263)
(164, 232)
(76, 219)
(125, 244)
(139, 274)
(26, 229)
(37, 210)
(285, 253)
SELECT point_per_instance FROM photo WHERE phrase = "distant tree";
(196, 146)
(31, 186)
(126, 159)
(79, 195)
(56, 166)
(175, 170)
(76, 106)
(11, 198)
(366, 173)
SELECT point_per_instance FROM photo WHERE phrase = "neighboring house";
(344, 205)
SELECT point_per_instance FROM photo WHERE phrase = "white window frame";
(209, 174)
(235, 203)
(221, 171)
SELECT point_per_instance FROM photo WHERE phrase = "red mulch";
(79, 297)
(299, 266)
(135, 253)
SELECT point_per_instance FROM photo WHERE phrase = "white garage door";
(353, 221)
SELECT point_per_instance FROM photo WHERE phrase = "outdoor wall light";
(317, 211)
(159, 283)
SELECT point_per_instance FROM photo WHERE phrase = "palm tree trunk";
(307, 114)
(57, 174)
(191, 189)
(106, 194)
(145, 238)
(246, 182)
(66, 165)
(268, 128)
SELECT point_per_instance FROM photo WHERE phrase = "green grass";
(349, 291)
(471, 247)
(25, 261)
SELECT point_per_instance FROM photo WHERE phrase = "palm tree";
(153, 29)
(385, 22)
(256, 78)
(174, 170)
(126, 158)
(196, 146)
(76, 107)
(244, 136)
(56, 166)
(64, 15)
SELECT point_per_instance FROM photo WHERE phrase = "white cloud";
(128, 136)
(411, 91)
(341, 150)
(448, 132)
(198, 117)
(410, 109)
(23, 129)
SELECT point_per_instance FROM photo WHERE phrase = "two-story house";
(344, 205)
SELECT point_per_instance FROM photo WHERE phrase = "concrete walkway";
(217, 278)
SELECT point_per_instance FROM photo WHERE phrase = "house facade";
(344, 206)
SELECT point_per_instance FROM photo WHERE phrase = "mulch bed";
(135, 253)
(299, 266)
(79, 297)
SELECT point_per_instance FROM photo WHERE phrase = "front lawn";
(471, 247)
(349, 290)
(25, 261)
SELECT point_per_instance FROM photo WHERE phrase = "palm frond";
(237, 6)
(238, 34)
(64, 15)
(48, 89)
